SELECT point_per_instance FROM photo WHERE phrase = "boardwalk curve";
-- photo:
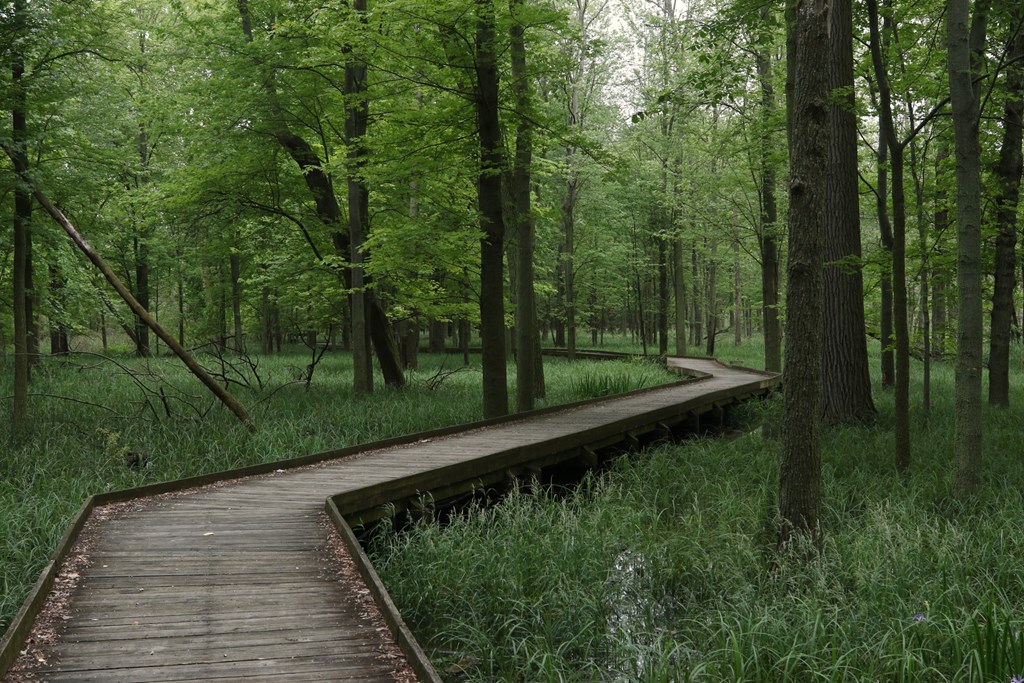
(251, 576)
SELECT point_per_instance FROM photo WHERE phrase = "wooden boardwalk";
(249, 580)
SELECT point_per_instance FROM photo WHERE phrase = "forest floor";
(659, 569)
(102, 422)
(664, 567)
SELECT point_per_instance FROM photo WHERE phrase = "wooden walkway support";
(249, 575)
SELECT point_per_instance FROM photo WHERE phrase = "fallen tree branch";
(222, 394)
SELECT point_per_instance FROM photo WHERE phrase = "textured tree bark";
(963, 37)
(846, 379)
(769, 218)
(492, 223)
(1009, 172)
(527, 339)
(800, 470)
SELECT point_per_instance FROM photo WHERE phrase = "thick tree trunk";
(967, 441)
(492, 223)
(769, 217)
(846, 379)
(800, 470)
(1009, 171)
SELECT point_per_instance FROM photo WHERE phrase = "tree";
(800, 470)
(965, 39)
(846, 379)
(1009, 170)
(528, 359)
(492, 222)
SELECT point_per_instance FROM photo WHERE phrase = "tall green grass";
(664, 568)
(89, 411)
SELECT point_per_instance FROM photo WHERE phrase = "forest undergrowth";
(91, 413)
(664, 568)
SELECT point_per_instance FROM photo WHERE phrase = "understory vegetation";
(664, 567)
(91, 412)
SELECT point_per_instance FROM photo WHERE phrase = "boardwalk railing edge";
(21, 625)
(407, 642)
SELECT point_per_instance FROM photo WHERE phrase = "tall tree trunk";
(1009, 171)
(356, 119)
(492, 223)
(940, 276)
(22, 218)
(698, 312)
(885, 229)
(899, 260)
(769, 217)
(962, 37)
(800, 470)
(737, 308)
(569, 266)
(664, 295)
(527, 338)
(679, 287)
(846, 379)
(712, 302)
(923, 294)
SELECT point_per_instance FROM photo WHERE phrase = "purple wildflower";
(920, 617)
(1017, 679)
